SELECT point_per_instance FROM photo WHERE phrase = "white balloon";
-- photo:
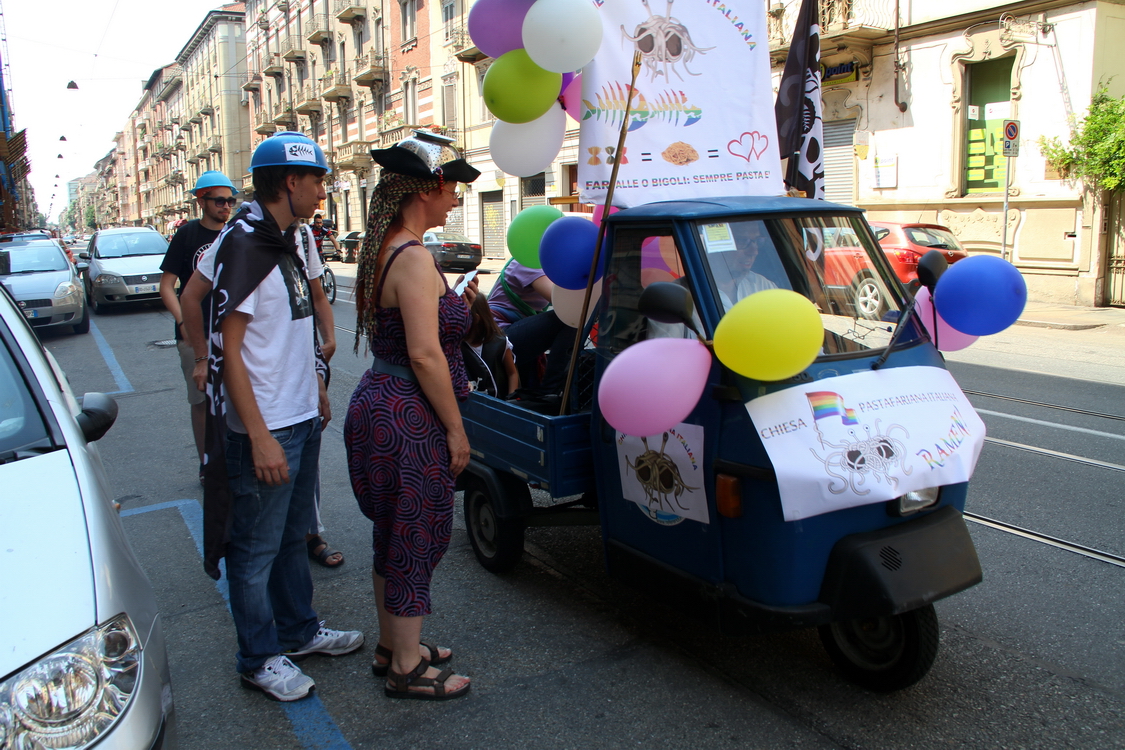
(528, 148)
(568, 303)
(562, 35)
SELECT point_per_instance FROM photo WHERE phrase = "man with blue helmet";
(215, 195)
(266, 377)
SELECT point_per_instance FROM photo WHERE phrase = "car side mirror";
(84, 256)
(99, 412)
(668, 302)
(930, 268)
(81, 267)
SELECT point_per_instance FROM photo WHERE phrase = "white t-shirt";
(278, 346)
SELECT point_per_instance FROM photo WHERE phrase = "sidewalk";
(1036, 314)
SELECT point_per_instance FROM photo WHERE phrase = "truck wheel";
(497, 542)
(884, 654)
(868, 299)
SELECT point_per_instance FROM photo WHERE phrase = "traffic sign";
(1011, 133)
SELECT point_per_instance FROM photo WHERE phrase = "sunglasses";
(220, 202)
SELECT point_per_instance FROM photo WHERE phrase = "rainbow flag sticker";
(829, 404)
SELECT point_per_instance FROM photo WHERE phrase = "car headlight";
(66, 289)
(108, 278)
(71, 696)
(912, 502)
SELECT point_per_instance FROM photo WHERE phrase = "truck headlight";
(71, 696)
(108, 278)
(912, 502)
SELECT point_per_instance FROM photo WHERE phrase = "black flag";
(800, 128)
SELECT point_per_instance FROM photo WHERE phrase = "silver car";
(124, 266)
(83, 658)
(44, 284)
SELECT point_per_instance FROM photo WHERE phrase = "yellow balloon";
(771, 335)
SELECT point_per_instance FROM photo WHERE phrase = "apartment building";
(913, 108)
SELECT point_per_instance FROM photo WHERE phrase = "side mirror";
(668, 302)
(99, 412)
(84, 256)
(81, 267)
(930, 268)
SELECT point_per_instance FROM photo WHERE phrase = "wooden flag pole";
(578, 337)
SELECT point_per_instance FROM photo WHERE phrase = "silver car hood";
(35, 285)
(131, 266)
(48, 593)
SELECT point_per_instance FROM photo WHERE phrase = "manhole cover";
(165, 342)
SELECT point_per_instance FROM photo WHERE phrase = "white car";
(83, 657)
(45, 285)
(124, 267)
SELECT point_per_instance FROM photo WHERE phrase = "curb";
(1060, 326)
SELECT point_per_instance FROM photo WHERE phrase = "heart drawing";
(749, 145)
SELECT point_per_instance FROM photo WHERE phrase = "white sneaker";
(330, 642)
(279, 679)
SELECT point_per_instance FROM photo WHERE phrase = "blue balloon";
(566, 251)
(981, 295)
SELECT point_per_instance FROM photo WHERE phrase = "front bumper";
(45, 315)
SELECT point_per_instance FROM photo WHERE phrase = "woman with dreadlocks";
(403, 430)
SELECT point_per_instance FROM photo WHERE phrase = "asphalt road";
(561, 656)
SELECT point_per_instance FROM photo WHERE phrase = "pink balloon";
(572, 98)
(496, 26)
(653, 385)
(599, 212)
(949, 339)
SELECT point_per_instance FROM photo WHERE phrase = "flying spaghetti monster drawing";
(663, 42)
(859, 454)
(659, 476)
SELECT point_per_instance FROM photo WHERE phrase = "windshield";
(32, 258)
(831, 260)
(450, 237)
(126, 245)
(21, 425)
(932, 237)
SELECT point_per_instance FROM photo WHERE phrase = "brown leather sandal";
(398, 685)
(380, 670)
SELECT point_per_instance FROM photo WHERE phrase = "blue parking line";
(311, 722)
(123, 384)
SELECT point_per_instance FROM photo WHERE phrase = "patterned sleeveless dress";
(398, 456)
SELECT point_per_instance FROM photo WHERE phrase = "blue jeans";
(267, 562)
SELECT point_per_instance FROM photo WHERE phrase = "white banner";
(666, 480)
(867, 438)
(702, 117)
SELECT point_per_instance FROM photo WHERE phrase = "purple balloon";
(567, 78)
(653, 385)
(496, 26)
(948, 339)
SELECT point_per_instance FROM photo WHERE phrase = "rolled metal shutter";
(839, 162)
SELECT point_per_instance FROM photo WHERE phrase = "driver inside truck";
(733, 257)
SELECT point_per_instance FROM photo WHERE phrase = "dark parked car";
(453, 252)
(124, 266)
(44, 283)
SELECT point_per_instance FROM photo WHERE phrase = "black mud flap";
(900, 568)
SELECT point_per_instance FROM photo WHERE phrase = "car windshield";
(21, 425)
(32, 258)
(831, 260)
(128, 244)
(450, 237)
(932, 237)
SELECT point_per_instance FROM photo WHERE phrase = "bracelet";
(200, 359)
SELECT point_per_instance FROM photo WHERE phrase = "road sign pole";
(1004, 218)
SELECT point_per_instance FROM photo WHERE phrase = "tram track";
(1047, 539)
(1045, 405)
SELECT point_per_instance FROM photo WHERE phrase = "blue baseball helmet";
(210, 179)
(288, 149)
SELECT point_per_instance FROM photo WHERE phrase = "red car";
(904, 244)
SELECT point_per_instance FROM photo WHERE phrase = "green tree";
(1096, 152)
(91, 220)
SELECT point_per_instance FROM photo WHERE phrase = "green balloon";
(517, 90)
(526, 230)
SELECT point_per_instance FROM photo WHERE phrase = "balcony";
(348, 10)
(291, 49)
(370, 68)
(179, 144)
(843, 23)
(192, 159)
(273, 65)
(263, 123)
(201, 151)
(186, 125)
(173, 77)
(196, 117)
(283, 115)
(354, 155)
(317, 29)
(147, 187)
(334, 86)
(462, 46)
(395, 134)
(307, 101)
(252, 82)
(215, 144)
(205, 108)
